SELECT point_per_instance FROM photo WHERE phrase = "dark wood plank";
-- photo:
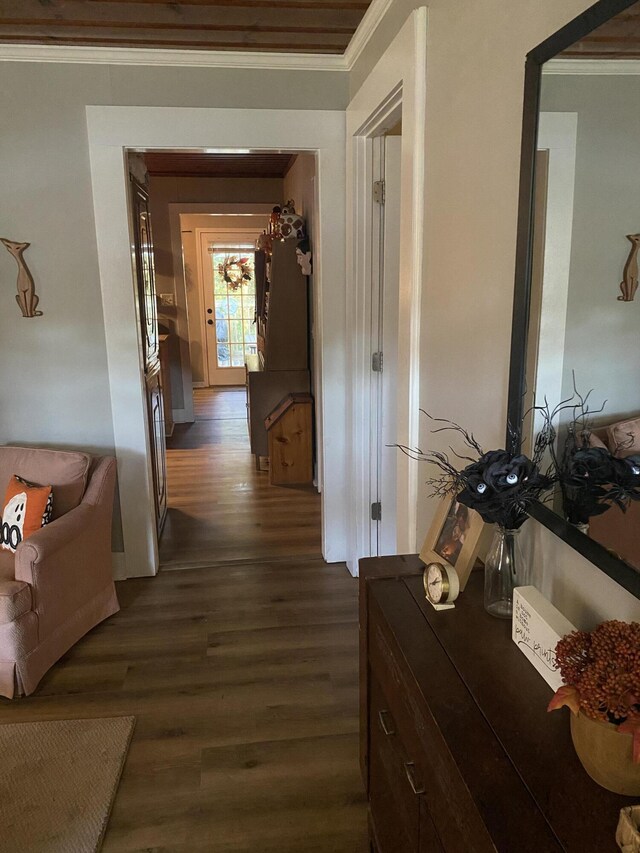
(80, 13)
(220, 507)
(244, 690)
(315, 26)
(256, 165)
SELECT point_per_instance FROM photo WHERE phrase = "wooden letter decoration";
(26, 298)
(629, 283)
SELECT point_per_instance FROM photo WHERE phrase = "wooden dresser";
(458, 751)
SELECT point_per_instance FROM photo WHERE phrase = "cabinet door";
(429, 839)
(395, 808)
(158, 443)
(143, 246)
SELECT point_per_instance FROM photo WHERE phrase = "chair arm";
(44, 543)
(66, 563)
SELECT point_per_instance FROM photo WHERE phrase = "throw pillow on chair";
(27, 507)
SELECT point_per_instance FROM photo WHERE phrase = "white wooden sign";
(536, 628)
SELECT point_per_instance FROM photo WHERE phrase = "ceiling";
(298, 26)
(619, 38)
(185, 165)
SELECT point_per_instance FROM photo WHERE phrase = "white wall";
(601, 333)
(62, 395)
(475, 79)
(54, 383)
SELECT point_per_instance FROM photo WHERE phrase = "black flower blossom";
(499, 485)
(591, 466)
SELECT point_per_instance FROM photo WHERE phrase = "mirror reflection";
(584, 333)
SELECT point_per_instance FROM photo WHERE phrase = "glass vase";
(504, 569)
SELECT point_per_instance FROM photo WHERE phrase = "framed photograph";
(456, 536)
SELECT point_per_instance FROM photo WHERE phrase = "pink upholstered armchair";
(58, 584)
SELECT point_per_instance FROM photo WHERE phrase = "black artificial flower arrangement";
(500, 486)
(591, 479)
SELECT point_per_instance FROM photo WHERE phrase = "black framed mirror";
(576, 317)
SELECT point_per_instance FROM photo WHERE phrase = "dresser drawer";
(395, 790)
(459, 828)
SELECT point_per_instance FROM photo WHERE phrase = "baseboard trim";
(119, 566)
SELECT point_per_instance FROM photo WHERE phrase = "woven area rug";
(57, 783)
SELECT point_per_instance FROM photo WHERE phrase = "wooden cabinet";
(283, 338)
(460, 754)
(265, 389)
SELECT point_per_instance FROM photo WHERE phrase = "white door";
(385, 311)
(229, 304)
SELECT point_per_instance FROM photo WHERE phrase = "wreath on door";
(235, 270)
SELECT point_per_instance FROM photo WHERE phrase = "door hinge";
(376, 511)
(376, 362)
(378, 192)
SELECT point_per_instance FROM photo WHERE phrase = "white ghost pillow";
(27, 507)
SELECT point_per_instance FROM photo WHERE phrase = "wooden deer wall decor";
(26, 298)
(629, 283)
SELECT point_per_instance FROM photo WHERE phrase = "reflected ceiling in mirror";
(582, 315)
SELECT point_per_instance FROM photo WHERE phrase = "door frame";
(112, 131)
(397, 85)
(202, 286)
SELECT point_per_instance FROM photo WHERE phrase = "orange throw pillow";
(27, 508)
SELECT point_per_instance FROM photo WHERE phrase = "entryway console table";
(459, 754)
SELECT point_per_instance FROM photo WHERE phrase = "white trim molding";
(187, 58)
(75, 54)
(398, 80)
(596, 67)
(111, 131)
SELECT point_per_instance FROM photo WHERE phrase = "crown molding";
(262, 60)
(366, 28)
(171, 58)
(617, 67)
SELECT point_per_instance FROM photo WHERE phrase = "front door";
(229, 299)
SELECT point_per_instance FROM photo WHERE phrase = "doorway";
(385, 285)
(113, 130)
(224, 503)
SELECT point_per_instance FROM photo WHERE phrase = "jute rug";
(58, 781)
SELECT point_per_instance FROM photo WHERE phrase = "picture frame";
(456, 537)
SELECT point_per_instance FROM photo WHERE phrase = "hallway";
(220, 508)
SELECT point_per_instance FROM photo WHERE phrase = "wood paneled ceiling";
(300, 26)
(184, 165)
(619, 38)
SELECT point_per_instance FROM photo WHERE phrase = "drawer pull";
(409, 769)
(386, 728)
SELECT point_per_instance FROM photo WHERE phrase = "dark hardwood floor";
(243, 680)
(242, 675)
(222, 509)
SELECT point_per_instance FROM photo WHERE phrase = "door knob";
(209, 310)
(210, 322)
